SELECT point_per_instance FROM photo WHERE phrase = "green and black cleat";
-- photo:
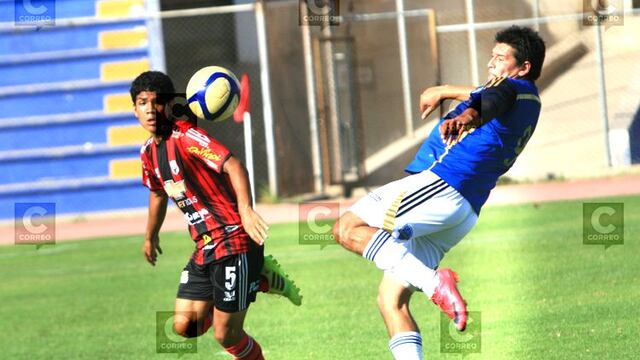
(279, 282)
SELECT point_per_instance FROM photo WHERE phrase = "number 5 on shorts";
(230, 276)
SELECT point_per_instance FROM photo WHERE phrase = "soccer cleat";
(448, 298)
(279, 282)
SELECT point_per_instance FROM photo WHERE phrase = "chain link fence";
(229, 40)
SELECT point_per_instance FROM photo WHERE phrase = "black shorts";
(231, 282)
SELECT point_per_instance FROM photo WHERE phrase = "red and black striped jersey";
(187, 166)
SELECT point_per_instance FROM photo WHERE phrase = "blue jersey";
(473, 165)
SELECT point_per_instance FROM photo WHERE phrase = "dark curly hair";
(155, 81)
(528, 46)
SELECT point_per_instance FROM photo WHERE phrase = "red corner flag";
(243, 105)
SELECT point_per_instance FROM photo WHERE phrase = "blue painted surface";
(57, 38)
(60, 70)
(68, 167)
(91, 199)
(57, 102)
(55, 135)
(66, 54)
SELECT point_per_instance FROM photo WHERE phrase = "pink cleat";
(448, 298)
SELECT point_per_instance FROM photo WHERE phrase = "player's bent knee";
(188, 329)
(342, 232)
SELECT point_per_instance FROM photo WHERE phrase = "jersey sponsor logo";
(187, 202)
(207, 239)
(200, 138)
(196, 217)
(374, 196)
(176, 190)
(174, 167)
(204, 153)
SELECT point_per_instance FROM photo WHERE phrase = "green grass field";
(542, 294)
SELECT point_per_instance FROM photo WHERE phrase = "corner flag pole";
(243, 114)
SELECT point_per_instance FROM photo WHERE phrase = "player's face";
(503, 63)
(149, 111)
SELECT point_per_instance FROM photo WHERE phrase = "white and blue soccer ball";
(213, 93)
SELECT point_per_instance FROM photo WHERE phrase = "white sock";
(416, 273)
(406, 346)
(388, 253)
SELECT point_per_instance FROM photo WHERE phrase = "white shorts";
(423, 209)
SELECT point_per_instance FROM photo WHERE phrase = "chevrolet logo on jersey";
(175, 189)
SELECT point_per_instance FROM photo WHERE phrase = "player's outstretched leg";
(389, 253)
(448, 298)
(385, 251)
(278, 281)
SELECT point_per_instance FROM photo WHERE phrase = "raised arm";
(431, 98)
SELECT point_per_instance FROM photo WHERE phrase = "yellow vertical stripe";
(390, 215)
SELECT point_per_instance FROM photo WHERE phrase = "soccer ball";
(213, 93)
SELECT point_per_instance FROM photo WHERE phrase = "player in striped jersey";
(211, 188)
(406, 226)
